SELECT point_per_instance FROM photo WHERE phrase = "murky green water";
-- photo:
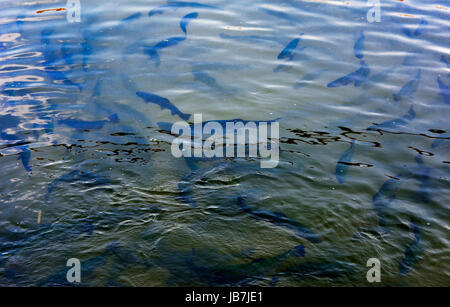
(87, 172)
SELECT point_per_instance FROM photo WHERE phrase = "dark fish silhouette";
(342, 165)
(174, 5)
(395, 123)
(239, 273)
(357, 77)
(359, 45)
(25, 157)
(185, 21)
(421, 29)
(164, 103)
(279, 219)
(422, 174)
(412, 251)
(153, 50)
(444, 91)
(288, 51)
(386, 195)
(207, 79)
(409, 88)
(81, 125)
(132, 17)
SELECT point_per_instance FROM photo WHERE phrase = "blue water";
(88, 173)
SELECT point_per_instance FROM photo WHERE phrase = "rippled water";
(87, 173)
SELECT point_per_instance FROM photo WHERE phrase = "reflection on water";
(86, 157)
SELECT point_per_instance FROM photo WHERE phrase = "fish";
(279, 219)
(153, 50)
(210, 81)
(81, 125)
(422, 173)
(174, 5)
(88, 178)
(444, 91)
(395, 123)
(235, 274)
(357, 77)
(359, 45)
(307, 78)
(421, 29)
(288, 51)
(132, 17)
(164, 103)
(25, 156)
(412, 251)
(186, 19)
(387, 194)
(409, 88)
(342, 165)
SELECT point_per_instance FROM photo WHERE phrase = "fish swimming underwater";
(386, 195)
(279, 219)
(444, 91)
(421, 29)
(25, 157)
(81, 125)
(412, 251)
(422, 173)
(357, 77)
(359, 45)
(164, 103)
(238, 274)
(153, 50)
(174, 5)
(409, 88)
(342, 165)
(185, 21)
(288, 51)
(395, 123)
